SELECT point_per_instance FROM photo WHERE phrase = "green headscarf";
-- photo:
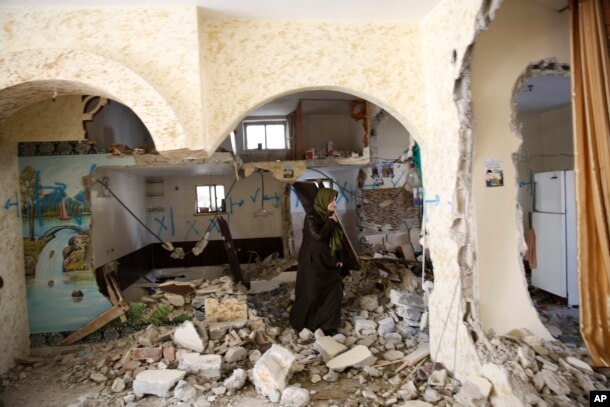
(320, 206)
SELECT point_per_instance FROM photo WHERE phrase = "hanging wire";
(127, 209)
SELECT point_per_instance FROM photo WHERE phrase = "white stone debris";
(237, 380)
(157, 382)
(184, 391)
(474, 392)
(328, 347)
(187, 337)
(273, 370)
(294, 397)
(358, 356)
(208, 366)
(235, 354)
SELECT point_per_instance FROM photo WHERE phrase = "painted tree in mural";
(29, 184)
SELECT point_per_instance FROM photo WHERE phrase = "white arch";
(36, 74)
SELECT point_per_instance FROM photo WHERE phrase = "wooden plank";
(97, 323)
(114, 293)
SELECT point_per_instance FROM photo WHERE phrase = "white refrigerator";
(554, 222)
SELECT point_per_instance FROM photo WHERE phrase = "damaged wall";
(162, 85)
(532, 31)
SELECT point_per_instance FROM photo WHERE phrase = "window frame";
(265, 122)
(211, 187)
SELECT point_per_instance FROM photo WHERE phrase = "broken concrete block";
(438, 378)
(294, 397)
(150, 337)
(409, 312)
(151, 354)
(579, 364)
(386, 326)
(474, 392)
(237, 380)
(393, 355)
(305, 334)
(358, 356)
(231, 309)
(368, 302)
(328, 347)
(187, 336)
(416, 403)
(554, 382)
(422, 351)
(535, 343)
(431, 395)
(157, 382)
(219, 329)
(407, 299)
(235, 354)
(273, 370)
(361, 325)
(118, 385)
(527, 357)
(97, 377)
(393, 338)
(174, 299)
(331, 376)
(184, 391)
(408, 391)
(169, 354)
(208, 366)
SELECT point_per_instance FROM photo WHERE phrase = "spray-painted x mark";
(161, 223)
(192, 226)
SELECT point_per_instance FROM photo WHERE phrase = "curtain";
(591, 92)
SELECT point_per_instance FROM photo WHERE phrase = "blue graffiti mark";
(92, 168)
(394, 183)
(171, 220)
(434, 201)
(298, 201)
(77, 218)
(275, 198)
(14, 203)
(231, 203)
(255, 196)
(192, 226)
(213, 225)
(342, 193)
(161, 223)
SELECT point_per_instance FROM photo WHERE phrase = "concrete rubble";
(239, 343)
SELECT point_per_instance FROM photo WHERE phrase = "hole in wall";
(546, 195)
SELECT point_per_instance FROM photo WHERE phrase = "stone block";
(174, 299)
(231, 309)
(358, 356)
(294, 397)
(157, 382)
(393, 355)
(579, 364)
(438, 378)
(328, 347)
(151, 354)
(272, 371)
(187, 337)
(169, 354)
(368, 302)
(361, 325)
(407, 299)
(235, 354)
(208, 366)
(386, 326)
(150, 337)
(184, 391)
(237, 380)
(474, 392)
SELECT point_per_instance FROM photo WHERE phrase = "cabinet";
(155, 194)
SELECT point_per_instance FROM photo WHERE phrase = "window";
(270, 135)
(210, 198)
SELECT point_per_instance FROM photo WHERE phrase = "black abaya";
(319, 287)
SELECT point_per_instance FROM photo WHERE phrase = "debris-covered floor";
(215, 343)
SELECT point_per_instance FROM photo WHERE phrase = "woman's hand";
(339, 264)
(333, 216)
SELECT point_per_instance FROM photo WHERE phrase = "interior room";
(178, 177)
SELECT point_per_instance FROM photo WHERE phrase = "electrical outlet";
(522, 155)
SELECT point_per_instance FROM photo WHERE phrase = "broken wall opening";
(547, 196)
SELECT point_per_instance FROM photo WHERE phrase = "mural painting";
(61, 290)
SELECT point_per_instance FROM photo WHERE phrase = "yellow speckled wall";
(14, 339)
(48, 120)
(159, 45)
(248, 63)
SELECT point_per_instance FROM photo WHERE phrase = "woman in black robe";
(319, 287)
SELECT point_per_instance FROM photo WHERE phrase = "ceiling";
(348, 10)
(546, 92)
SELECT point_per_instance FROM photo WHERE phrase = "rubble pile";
(239, 343)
